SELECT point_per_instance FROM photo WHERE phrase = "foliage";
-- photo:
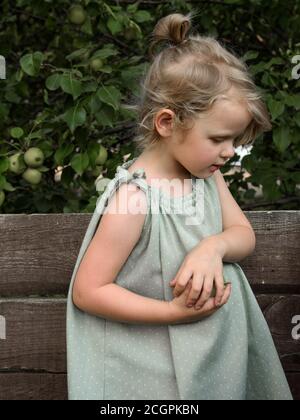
(66, 85)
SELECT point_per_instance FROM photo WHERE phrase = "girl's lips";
(214, 168)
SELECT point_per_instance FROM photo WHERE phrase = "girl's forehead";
(227, 113)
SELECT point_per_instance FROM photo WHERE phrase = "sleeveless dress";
(227, 356)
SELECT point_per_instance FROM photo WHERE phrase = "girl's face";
(211, 140)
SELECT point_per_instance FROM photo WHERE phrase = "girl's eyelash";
(220, 141)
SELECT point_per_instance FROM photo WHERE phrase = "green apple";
(102, 156)
(16, 163)
(33, 176)
(34, 157)
(96, 64)
(2, 197)
(77, 15)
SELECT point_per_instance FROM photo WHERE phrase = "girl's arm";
(119, 304)
(94, 290)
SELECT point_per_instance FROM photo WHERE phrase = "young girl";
(148, 316)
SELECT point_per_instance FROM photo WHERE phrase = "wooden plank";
(35, 336)
(43, 386)
(275, 265)
(294, 382)
(38, 252)
(33, 386)
(33, 356)
(279, 311)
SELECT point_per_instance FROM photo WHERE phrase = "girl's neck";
(161, 163)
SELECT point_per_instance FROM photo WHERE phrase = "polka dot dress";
(227, 356)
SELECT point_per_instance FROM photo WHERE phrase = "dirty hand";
(204, 265)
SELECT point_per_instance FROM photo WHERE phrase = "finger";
(208, 306)
(220, 288)
(182, 282)
(227, 294)
(206, 291)
(187, 290)
(195, 291)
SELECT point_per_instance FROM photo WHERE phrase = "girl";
(132, 333)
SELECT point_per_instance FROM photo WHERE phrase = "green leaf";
(276, 108)
(71, 85)
(104, 117)
(105, 52)
(35, 135)
(31, 63)
(53, 81)
(4, 164)
(297, 119)
(114, 26)
(16, 132)
(257, 68)
(250, 55)
(77, 54)
(293, 101)
(110, 96)
(4, 185)
(282, 138)
(80, 162)
(61, 153)
(93, 152)
(8, 187)
(75, 117)
(274, 60)
(46, 96)
(142, 16)
(87, 26)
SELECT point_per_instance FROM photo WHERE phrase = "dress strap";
(138, 177)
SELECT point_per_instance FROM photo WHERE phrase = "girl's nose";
(228, 153)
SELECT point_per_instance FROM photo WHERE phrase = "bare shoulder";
(117, 234)
(127, 208)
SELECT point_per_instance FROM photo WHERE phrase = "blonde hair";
(188, 77)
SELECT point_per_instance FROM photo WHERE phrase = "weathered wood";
(38, 252)
(35, 332)
(294, 382)
(43, 386)
(37, 257)
(33, 386)
(275, 265)
(35, 335)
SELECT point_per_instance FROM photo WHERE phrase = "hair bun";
(172, 29)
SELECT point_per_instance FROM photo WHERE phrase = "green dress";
(227, 356)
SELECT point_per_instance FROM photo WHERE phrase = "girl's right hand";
(180, 313)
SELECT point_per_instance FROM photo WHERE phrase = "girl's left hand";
(205, 264)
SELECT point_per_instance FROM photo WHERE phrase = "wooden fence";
(37, 256)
